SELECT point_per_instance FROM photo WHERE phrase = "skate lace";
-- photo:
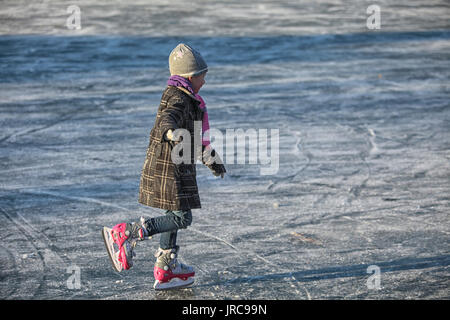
(170, 260)
(177, 267)
(129, 249)
(138, 234)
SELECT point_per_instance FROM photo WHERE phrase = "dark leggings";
(168, 226)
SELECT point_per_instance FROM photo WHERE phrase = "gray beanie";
(186, 62)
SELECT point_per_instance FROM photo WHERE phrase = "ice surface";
(364, 175)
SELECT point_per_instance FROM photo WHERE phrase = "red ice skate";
(169, 273)
(120, 242)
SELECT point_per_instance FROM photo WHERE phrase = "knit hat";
(186, 62)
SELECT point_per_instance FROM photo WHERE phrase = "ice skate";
(120, 241)
(169, 273)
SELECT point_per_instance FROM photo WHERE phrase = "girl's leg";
(168, 240)
(168, 272)
(121, 239)
(168, 226)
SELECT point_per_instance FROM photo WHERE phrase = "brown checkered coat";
(163, 184)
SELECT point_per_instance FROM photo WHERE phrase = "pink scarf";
(205, 122)
(178, 81)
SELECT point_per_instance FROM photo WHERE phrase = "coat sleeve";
(171, 117)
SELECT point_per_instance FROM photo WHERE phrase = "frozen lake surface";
(364, 144)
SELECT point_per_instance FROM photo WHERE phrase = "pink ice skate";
(120, 242)
(169, 273)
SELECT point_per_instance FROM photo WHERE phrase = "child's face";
(197, 82)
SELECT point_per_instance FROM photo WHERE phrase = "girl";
(166, 184)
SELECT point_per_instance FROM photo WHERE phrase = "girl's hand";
(218, 170)
(221, 174)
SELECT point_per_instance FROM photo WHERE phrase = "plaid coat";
(164, 184)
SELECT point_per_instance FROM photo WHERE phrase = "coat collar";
(188, 93)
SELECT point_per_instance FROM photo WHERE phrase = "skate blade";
(175, 283)
(109, 244)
